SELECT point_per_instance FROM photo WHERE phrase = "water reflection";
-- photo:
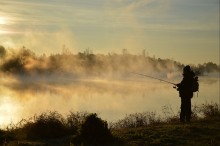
(112, 98)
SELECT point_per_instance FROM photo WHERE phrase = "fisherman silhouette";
(186, 93)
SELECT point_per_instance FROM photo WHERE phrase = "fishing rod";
(154, 78)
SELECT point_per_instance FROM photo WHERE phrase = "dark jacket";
(185, 87)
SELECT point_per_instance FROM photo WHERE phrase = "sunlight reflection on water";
(111, 99)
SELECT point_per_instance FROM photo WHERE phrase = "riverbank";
(140, 129)
(203, 133)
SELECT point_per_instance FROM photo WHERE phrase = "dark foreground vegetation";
(140, 129)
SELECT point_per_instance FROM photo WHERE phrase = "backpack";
(195, 86)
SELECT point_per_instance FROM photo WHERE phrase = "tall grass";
(52, 125)
(137, 120)
(209, 111)
(47, 125)
(206, 111)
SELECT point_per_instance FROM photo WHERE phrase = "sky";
(184, 30)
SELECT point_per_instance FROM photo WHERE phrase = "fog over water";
(111, 99)
(102, 84)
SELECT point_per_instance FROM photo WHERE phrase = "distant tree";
(124, 51)
(66, 51)
(13, 65)
(2, 51)
(210, 67)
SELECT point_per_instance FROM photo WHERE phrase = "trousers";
(185, 113)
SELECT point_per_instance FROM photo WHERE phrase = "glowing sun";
(3, 20)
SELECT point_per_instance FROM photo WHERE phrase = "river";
(111, 98)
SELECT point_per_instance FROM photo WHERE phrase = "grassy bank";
(138, 129)
(199, 133)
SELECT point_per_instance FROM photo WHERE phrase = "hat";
(186, 69)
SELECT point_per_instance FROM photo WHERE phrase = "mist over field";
(84, 81)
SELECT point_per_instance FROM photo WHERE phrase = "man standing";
(185, 88)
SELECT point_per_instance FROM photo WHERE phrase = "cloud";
(115, 24)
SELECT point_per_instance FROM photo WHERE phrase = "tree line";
(25, 61)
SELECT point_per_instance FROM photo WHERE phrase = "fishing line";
(153, 78)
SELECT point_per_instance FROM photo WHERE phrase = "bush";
(75, 121)
(94, 131)
(49, 125)
(210, 111)
(2, 136)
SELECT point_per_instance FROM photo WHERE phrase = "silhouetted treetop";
(87, 63)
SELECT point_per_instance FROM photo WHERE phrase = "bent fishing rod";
(154, 78)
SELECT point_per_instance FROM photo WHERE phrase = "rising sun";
(3, 24)
(3, 20)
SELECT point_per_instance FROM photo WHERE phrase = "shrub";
(2, 136)
(75, 121)
(210, 111)
(49, 125)
(94, 131)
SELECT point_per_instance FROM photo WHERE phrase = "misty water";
(111, 98)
